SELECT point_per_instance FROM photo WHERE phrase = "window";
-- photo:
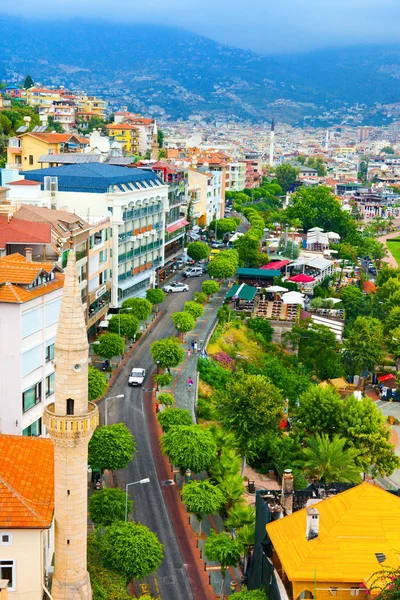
(33, 430)
(7, 571)
(103, 277)
(49, 352)
(103, 256)
(31, 159)
(49, 385)
(5, 539)
(32, 396)
(70, 406)
(333, 591)
(354, 591)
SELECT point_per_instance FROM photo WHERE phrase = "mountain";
(174, 72)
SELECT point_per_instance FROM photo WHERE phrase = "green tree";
(318, 164)
(194, 308)
(160, 138)
(202, 498)
(249, 406)
(173, 417)
(198, 251)
(110, 344)
(200, 297)
(210, 287)
(319, 411)
(111, 447)
(108, 506)
(167, 399)
(223, 226)
(328, 460)
(189, 447)
(97, 383)
(232, 488)
(53, 125)
(28, 83)
(163, 379)
(393, 319)
(364, 345)
(131, 549)
(353, 301)
(124, 324)
(364, 426)
(224, 550)
(227, 464)
(251, 595)
(141, 307)
(286, 175)
(318, 207)
(221, 269)
(155, 296)
(260, 325)
(167, 352)
(387, 150)
(183, 322)
(240, 514)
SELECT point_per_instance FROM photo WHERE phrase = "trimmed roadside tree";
(111, 447)
(198, 251)
(202, 498)
(183, 322)
(108, 506)
(189, 447)
(173, 417)
(251, 595)
(194, 309)
(141, 308)
(110, 344)
(167, 353)
(225, 551)
(156, 296)
(200, 297)
(124, 324)
(221, 269)
(210, 287)
(97, 383)
(131, 549)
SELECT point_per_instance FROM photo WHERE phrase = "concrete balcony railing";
(72, 424)
(94, 317)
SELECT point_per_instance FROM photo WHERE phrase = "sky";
(265, 26)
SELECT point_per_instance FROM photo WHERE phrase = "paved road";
(171, 582)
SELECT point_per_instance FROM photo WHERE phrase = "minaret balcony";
(71, 424)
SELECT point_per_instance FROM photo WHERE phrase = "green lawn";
(394, 247)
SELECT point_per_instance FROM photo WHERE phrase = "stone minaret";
(271, 144)
(70, 422)
(154, 143)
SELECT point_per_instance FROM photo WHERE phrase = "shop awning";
(302, 278)
(258, 273)
(387, 377)
(177, 225)
(242, 291)
(277, 264)
(293, 298)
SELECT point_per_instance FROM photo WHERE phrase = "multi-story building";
(144, 126)
(30, 297)
(92, 106)
(175, 225)
(136, 201)
(25, 150)
(127, 135)
(62, 111)
(207, 199)
(36, 96)
(99, 272)
(26, 518)
(237, 176)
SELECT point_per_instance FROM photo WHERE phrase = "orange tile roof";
(26, 482)
(16, 272)
(56, 138)
(23, 182)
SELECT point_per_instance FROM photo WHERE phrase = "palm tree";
(328, 460)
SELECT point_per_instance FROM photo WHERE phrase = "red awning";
(276, 264)
(177, 225)
(302, 278)
(387, 377)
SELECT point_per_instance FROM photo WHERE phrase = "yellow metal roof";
(353, 526)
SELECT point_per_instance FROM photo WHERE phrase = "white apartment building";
(30, 298)
(207, 190)
(136, 201)
(237, 176)
(62, 111)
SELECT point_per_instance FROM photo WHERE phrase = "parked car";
(137, 377)
(217, 245)
(203, 266)
(193, 272)
(177, 286)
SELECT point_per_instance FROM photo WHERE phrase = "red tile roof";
(19, 231)
(23, 182)
(26, 482)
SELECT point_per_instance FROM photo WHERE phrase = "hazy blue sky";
(263, 25)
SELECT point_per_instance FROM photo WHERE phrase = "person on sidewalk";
(188, 352)
(195, 347)
(189, 383)
(193, 344)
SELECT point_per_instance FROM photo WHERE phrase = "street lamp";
(141, 481)
(106, 407)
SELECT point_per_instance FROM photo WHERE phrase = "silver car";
(137, 377)
(177, 286)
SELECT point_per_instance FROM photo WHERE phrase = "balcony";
(74, 425)
(97, 315)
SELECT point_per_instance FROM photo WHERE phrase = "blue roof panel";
(92, 177)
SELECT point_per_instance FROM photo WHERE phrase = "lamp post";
(106, 406)
(141, 481)
(157, 363)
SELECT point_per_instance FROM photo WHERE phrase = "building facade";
(24, 150)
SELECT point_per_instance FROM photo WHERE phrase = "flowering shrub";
(225, 360)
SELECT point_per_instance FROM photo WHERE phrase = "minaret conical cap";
(71, 329)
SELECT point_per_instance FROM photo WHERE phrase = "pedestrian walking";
(189, 383)
(195, 347)
(188, 352)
